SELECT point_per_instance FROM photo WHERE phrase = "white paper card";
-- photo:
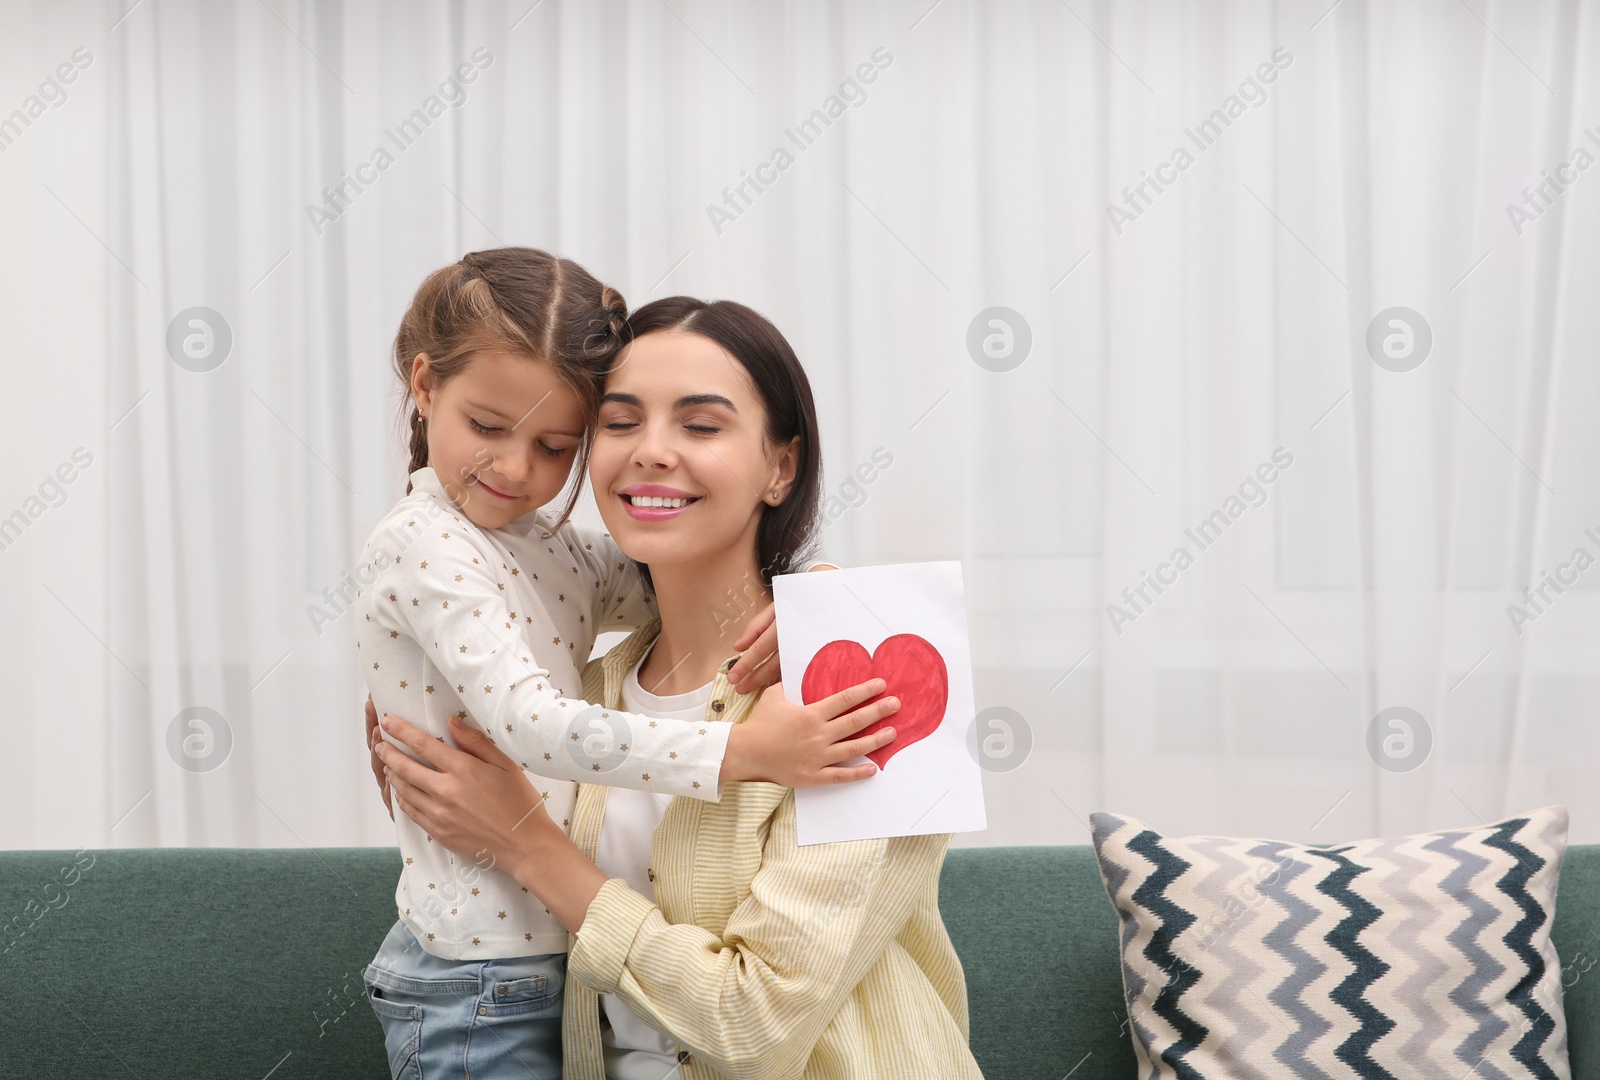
(908, 624)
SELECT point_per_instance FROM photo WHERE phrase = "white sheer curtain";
(1176, 343)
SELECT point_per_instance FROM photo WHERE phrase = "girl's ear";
(422, 384)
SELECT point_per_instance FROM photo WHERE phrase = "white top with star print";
(492, 625)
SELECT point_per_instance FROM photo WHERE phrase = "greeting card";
(907, 625)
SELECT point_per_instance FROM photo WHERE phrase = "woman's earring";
(775, 498)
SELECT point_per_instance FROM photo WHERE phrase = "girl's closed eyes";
(546, 448)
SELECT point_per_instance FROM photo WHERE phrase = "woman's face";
(502, 433)
(681, 464)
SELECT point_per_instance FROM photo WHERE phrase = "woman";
(706, 938)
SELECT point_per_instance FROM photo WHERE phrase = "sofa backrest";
(193, 962)
(200, 962)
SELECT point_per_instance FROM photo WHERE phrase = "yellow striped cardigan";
(758, 957)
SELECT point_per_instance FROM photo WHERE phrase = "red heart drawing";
(915, 674)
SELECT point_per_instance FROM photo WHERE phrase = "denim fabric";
(484, 1019)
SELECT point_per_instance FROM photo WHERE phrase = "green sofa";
(247, 963)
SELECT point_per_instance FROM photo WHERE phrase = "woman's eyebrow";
(686, 402)
(691, 400)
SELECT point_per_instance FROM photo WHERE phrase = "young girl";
(482, 608)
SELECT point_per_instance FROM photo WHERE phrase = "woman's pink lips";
(654, 513)
(656, 491)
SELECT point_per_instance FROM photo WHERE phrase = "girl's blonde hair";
(523, 300)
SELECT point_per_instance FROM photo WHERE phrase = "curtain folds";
(1198, 222)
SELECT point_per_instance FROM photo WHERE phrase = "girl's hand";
(757, 667)
(474, 801)
(374, 738)
(800, 745)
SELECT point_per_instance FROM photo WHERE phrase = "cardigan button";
(683, 1057)
(716, 706)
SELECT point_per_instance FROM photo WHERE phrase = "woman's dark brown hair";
(787, 531)
(519, 299)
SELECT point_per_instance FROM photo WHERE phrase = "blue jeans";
(483, 1019)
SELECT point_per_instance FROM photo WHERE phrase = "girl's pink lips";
(497, 494)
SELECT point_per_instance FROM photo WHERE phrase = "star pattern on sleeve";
(460, 584)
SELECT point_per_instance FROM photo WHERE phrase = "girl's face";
(502, 433)
(681, 464)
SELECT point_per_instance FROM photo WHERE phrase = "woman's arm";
(477, 802)
(753, 1000)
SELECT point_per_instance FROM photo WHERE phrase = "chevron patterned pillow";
(1420, 956)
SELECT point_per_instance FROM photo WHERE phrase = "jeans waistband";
(407, 985)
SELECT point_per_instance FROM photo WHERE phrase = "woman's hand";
(757, 666)
(374, 739)
(801, 745)
(474, 801)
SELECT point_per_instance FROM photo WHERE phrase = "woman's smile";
(655, 502)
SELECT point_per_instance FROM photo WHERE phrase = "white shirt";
(633, 1049)
(492, 625)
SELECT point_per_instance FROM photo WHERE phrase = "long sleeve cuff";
(613, 920)
(717, 734)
